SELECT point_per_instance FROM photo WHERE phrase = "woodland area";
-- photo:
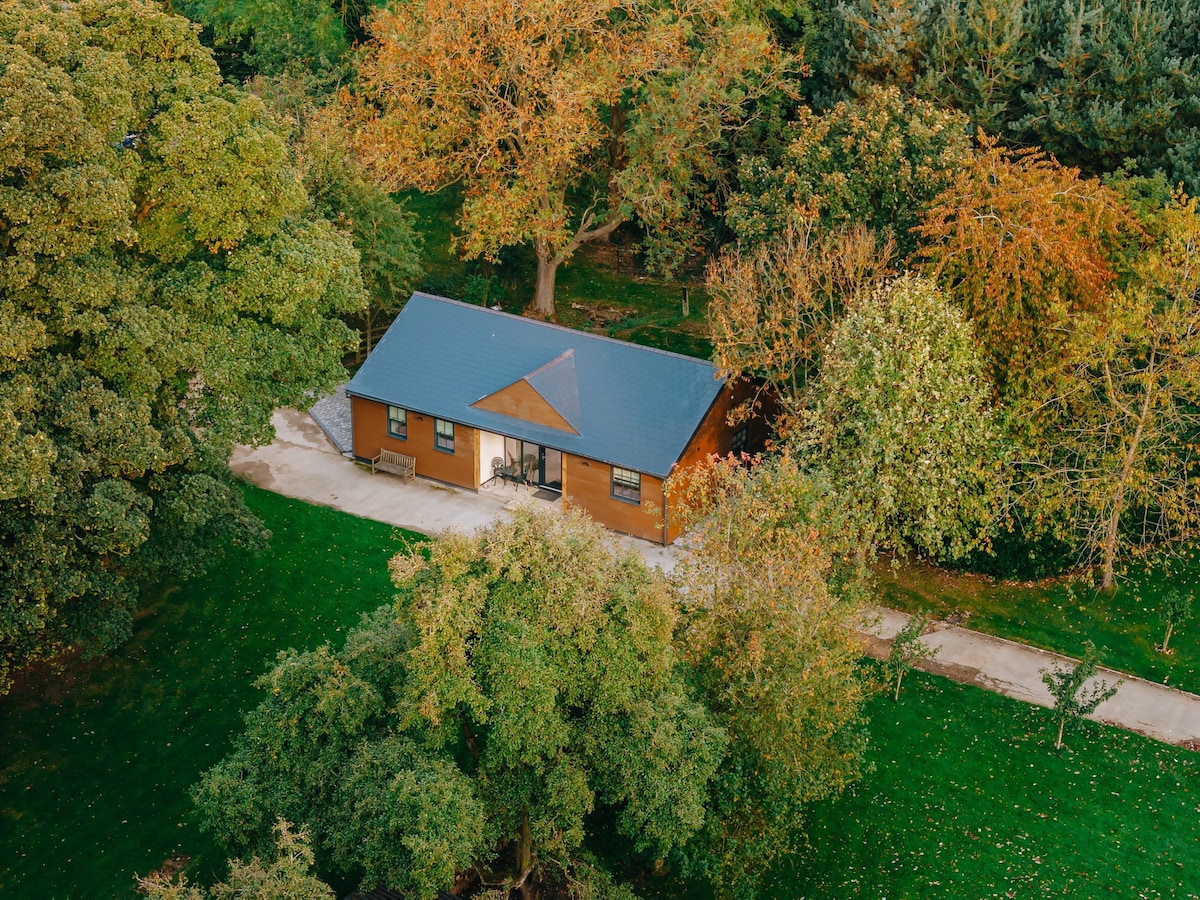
(956, 240)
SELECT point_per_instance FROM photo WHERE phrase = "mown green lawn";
(1125, 625)
(97, 761)
(968, 799)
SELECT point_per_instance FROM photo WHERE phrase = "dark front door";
(550, 468)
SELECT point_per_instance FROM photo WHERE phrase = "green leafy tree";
(1176, 609)
(288, 877)
(900, 420)
(771, 597)
(270, 37)
(907, 650)
(1112, 468)
(877, 160)
(623, 111)
(524, 677)
(383, 229)
(1074, 696)
(164, 285)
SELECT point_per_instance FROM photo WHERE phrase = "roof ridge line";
(568, 329)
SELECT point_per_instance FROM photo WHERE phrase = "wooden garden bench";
(396, 463)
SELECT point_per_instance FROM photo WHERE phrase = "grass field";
(98, 760)
(1125, 625)
(968, 799)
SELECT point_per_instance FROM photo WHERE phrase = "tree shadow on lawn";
(101, 756)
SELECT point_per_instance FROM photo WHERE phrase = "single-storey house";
(477, 396)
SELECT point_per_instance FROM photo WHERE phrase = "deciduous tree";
(270, 37)
(771, 597)
(1027, 249)
(163, 287)
(1176, 608)
(524, 676)
(907, 650)
(1073, 697)
(1113, 464)
(773, 305)
(560, 120)
(383, 229)
(877, 160)
(900, 420)
(288, 877)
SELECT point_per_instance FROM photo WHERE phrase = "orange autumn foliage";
(1029, 250)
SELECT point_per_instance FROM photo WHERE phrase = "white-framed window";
(443, 435)
(398, 423)
(626, 485)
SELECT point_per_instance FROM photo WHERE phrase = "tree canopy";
(530, 684)
(877, 160)
(900, 421)
(1112, 469)
(270, 37)
(164, 285)
(774, 304)
(1030, 251)
(1099, 85)
(770, 599)
(524, 678)
(560, 120)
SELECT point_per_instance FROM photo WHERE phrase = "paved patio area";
(302, 462)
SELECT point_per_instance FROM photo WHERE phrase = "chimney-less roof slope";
(631, 406)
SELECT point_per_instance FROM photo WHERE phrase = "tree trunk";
(1167, 636)
(1131, 452)
(1110, 545)
(543, 292)
(526, 859)
(899, 678)
(1058, 741)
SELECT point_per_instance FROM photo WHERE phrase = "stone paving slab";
(332, 414)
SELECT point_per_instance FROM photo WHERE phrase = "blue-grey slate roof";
(634, 407)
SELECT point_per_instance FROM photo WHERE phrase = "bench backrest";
(391, 456)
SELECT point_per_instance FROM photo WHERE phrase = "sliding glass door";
(538, 465)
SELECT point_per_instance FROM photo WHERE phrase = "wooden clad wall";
(587, 485)
(370, 435)
(715, 434)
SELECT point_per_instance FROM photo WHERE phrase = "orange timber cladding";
(586, 483)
